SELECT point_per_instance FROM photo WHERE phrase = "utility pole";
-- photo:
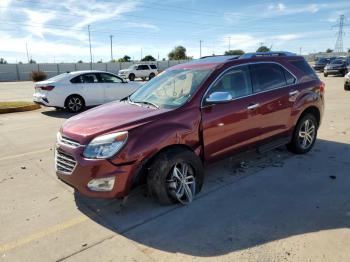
(339, 43)
(111, 36)
(200, 48)
(27, 52)
(229, 43)
(90, 47)
(300, 50)
(141, 54)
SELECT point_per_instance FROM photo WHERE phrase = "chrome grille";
(64, 163)
(67, 141)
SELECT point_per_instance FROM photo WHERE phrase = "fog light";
(101, 184)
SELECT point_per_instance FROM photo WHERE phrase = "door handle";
(293, 93)
(253, 106)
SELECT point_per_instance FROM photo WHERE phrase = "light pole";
(90, 47)
(111, 36)
(200, 48)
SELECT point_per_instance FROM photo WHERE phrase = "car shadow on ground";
(58, 114)
(245, 203)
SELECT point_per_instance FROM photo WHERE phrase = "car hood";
(114, 116)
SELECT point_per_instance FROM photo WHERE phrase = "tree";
(31, 61)
(80, 62)
(126, 58)
(263, 49)
(100, 61)
(178, 53)
(148, 58)
(3, 61)
(329, 50)
(234, 52)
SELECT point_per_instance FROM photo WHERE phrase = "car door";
(114, 87)
(89, 87)
(277, 90)
(142, 71)
(231, 125)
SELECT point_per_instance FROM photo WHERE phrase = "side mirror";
(218, 97)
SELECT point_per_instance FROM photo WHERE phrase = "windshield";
(132, 67)
(337, 62)
(171, 89)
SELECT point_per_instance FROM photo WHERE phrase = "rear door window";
(85, 79)
(153, 66)
(267, 76)
(108, 78)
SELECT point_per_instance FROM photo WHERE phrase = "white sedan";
(77, 90)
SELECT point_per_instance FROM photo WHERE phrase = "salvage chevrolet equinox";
(187, 117)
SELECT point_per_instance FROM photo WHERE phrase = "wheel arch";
(141, 174)
(311, 110)
(66, 100)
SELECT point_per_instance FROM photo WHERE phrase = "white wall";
(21, 72)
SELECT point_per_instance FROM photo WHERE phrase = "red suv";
(191, 115)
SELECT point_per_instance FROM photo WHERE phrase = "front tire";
(131, 77)
(151, 75)
(175, 176)
(304, 135)
(75, 104)
(325, 74)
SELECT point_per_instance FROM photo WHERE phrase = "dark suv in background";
(338, 66)
(189, 116)
(322, 62)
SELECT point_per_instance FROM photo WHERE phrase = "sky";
(57, 31)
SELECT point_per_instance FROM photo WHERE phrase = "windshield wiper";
(146, 103)
(142, 102)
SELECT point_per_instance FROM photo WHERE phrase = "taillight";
(322, 87)
(46, 88)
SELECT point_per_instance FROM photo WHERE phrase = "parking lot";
(271, 207)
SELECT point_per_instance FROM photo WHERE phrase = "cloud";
(42, 50)
(4, 5)
(142, 25)
(240, 41)
(282, 9)
(287, 37)
(92, 11)
(37, 20)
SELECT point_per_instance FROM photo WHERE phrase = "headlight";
(105, 146)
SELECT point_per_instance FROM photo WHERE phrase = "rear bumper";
(86, 170)
(334, 71)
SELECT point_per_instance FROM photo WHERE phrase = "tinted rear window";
(267, 76)
(304, 67)
(153, 66)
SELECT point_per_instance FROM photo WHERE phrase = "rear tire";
(131, 77)
(75, 104)
(175, 176)
(151, 75)
(304, 135)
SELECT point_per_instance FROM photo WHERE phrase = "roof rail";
(261, 54)
(228, 57)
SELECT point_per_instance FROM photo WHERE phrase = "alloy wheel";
(75, 104)
(181, 183)
(307, 134)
